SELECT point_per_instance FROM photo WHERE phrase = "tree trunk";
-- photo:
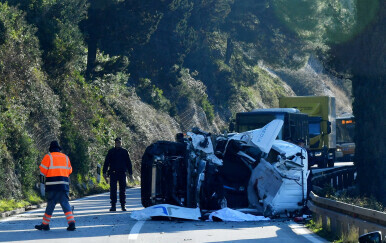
(370, 156)
(229, 51)
(91, 56)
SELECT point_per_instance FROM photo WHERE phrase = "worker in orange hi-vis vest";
(56, 167)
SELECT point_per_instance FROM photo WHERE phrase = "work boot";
(113, 209)
(71, 226)
(42, 227)
(123, 207)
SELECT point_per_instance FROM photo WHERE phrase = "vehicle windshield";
(257, 120)
(345, 131)
(314, 129)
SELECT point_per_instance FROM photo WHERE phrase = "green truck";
(322, 126)
(295, 126)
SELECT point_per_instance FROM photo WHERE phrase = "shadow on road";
(92, 215)
(94, 223)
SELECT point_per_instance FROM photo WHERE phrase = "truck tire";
(146, 186)
(331, 163)
(146, 168)
(323, 163)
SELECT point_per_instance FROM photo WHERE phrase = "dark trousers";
(54, 197)
(121, 178)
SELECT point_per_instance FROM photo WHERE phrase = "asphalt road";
(95, 223)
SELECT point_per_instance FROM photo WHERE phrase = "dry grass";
(351, 236)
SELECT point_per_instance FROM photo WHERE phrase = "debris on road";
(176, 212)
(167, 210)
(227, 214)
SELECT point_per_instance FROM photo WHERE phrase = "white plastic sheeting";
(167, 210)
(227, 214)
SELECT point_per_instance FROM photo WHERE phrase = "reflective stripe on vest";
(57, 183)
(57, 167)
(44, 166)
(51, 160)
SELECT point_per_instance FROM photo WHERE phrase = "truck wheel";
(331, 163)
(146, 167)
(323, 164)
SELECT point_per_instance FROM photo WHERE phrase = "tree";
(364, 59)
(57, 30)
(118, 27)
(351, 34)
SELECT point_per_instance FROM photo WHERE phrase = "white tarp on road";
(172, 211)
(167, 210)
(227, 214)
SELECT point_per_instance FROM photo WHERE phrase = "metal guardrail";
(338, 178)
(341, 217)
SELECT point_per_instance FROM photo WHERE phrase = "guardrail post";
(324, 221)
(336, 226)
(317, 217)
(345, 179)
(340, 181)
(98, 173)
(361, 231)
(345, 227)
(334, 181)
(333, 225)
(350, 178)
(42, 186)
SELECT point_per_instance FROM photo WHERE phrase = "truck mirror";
(371, 237)
(328, 127)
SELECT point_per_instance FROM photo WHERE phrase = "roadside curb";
(21, 210)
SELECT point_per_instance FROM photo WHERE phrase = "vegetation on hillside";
(83, 72)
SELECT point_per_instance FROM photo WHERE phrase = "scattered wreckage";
(250, 170)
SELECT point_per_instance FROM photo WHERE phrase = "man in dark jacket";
(117, 163)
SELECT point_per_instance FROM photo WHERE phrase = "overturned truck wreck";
(244, 170)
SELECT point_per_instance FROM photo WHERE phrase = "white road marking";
(301, 230)
(135, 230)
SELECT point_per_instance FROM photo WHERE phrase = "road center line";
(135, 230)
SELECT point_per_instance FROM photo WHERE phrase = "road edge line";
(306, 233)
(134, 232)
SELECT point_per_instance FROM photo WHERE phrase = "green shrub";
(152, 95)
(208, 109)
(8, 205)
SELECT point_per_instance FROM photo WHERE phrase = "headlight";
(318, 153)
(338, 150)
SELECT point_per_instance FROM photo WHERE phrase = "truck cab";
(322, 126)
(295, 127)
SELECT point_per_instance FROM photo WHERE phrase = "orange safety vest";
(56, 167)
